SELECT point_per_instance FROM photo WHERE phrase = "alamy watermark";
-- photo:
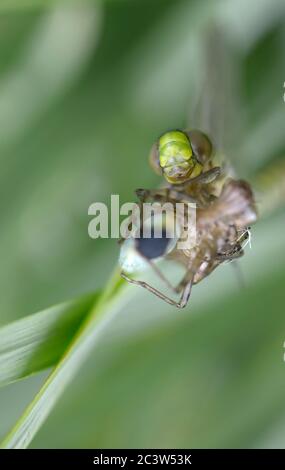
(144, 220)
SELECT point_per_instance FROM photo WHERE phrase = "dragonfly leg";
(164, 194)
(238, 248)
(157, 194)
(236, 253)
(185, 295)
(184, 281)
(207, 177)
(160, 274)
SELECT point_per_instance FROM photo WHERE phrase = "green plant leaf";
(39, 340)
(10, 5)
(22, 5)
(76, 352)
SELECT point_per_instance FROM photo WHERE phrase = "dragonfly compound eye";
(158, 235)
(176, 157)
(153, 247)
(201, 145)
(154, 240)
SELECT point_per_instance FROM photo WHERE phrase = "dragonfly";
(225, 209)
(194, 169)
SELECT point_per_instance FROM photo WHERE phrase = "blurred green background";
(85, 89)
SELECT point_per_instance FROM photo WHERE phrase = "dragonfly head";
(176, 157)
(180, 156)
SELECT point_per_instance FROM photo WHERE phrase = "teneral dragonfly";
(225, 209)
(194, 170)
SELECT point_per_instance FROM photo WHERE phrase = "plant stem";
(78, 350)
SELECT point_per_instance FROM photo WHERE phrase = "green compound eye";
(174, 136)
(176, 157)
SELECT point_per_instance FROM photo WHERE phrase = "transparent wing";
(215, 110)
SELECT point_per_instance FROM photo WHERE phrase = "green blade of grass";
(37, 341)
(22, 5)
(77, 351)
(16, 5)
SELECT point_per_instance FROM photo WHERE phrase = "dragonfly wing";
(217, 104)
